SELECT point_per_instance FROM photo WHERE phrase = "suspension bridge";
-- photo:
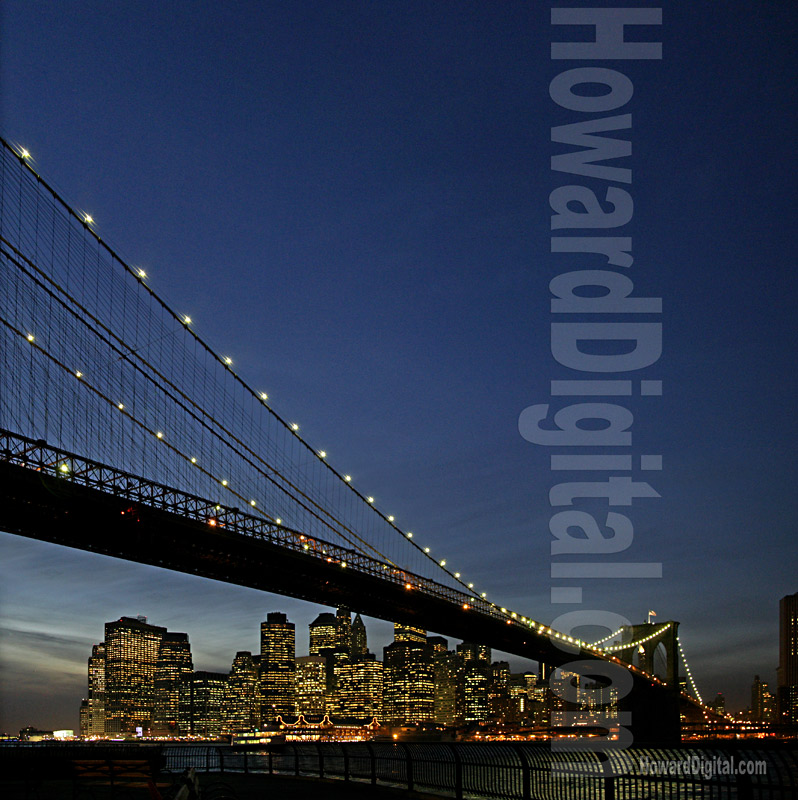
(123, 432)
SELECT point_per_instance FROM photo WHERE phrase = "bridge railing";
(57, 463)
(518, 771)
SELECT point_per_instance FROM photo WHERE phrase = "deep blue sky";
(351, 199)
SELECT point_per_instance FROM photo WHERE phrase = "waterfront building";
(131, 655)
(787, 675)
(500, 706)
(174, 662)
(201, 697)
(240, 711)
(476, 679)
(277, 684)
(311, 685)
(763, 706)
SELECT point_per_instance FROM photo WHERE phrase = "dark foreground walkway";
(226, 787)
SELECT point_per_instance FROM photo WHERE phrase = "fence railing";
(518, 771)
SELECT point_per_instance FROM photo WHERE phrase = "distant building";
(311, 686)
(277, 685)
(408, 681)
(719, 703)
(407, 633)
(322, 634)
(787, 675)
(173, 664)
(359, 645)
(240, 709)
(131, 656)
(343, 629)
(84, 718)
(475, 681)
(448, 667)
(359, 684)
(200, 704)
(500, 704)
(95, 704)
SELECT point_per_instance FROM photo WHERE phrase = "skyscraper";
(343, 629)
(407, 633)
(131, 655)
(359, 684)
(311, 686)
(359, 645)
(200, 708)
(408, 682)
(787, 675)
(277, 668)
(322, 634)
(174, 662)
(95, 704)
(240, 710)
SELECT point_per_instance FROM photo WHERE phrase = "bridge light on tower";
(64, 468)
(278, 521)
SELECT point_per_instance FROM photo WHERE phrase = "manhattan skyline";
(358, 213)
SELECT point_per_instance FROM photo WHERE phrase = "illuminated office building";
(359, 645)
(343, 629)
(277, 685)
(311, 686)
(359, 687)
(200, 704)
(448, 668)
(787, 674)
(174, 662)
(240, 710)
(131, 656)
(408, 682)
(322, 634)
(95, 704)
(407, 633)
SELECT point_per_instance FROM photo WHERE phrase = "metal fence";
(517, 771)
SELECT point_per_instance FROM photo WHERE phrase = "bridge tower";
(650, 636)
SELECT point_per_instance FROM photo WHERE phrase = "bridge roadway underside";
(58, 511)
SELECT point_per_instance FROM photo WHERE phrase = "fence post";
(271, 765)
(526, 777)
(408, 765)
(321, 759)
(458, 772)
(345, 753)
(296, 761)
(373, 760)
(207, 759)
(220, 754)
(246, 764)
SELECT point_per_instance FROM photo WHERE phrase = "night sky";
(351, 198)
